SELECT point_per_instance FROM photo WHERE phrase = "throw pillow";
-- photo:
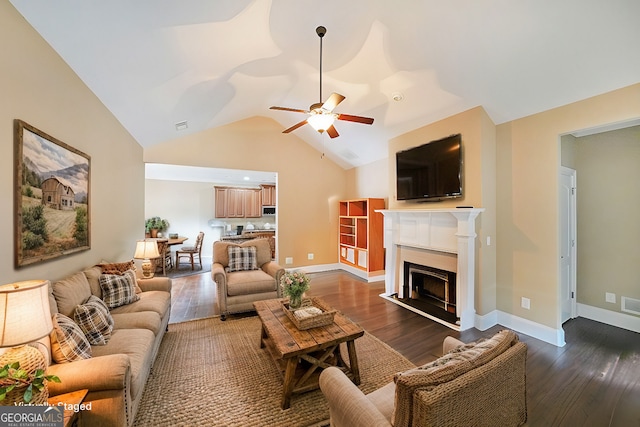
(242, 259)
(68, 342)
(118, 268)
(94, 319)
(118, 290)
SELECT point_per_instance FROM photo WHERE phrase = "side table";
(70, 401)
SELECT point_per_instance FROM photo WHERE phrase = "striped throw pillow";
(68, 342)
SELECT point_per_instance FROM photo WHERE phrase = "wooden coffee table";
(301, 355)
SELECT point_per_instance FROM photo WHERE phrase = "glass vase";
(295, 301)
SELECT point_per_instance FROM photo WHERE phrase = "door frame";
(573, 233)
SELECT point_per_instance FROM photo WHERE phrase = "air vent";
(181, 125)
(631, 305)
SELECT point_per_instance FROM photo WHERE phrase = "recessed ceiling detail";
(218, 62)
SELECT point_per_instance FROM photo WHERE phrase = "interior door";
(567, 244)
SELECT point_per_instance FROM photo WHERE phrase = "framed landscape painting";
(52, 183)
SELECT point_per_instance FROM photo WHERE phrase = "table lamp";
(145, 250)
(25, 317)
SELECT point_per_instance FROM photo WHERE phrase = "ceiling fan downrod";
(321, 31)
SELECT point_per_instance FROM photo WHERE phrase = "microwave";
(268, 210)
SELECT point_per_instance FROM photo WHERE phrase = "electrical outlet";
(488, 240)
(288, 260)
(610, 297)
(309, 255)
(526, 303)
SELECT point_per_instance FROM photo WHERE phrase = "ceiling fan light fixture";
(321, 121)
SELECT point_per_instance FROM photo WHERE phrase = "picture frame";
(52, 210)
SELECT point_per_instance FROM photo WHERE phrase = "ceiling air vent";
(181, 125)
(631, 305)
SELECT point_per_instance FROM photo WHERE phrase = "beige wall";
(479, 189)
(528, 158)
(608, 202)
(39, 88)
(309, 186)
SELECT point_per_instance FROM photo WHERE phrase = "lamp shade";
(25, 315)
(146, 249)
(321, 122)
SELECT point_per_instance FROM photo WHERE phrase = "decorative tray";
(312, 314)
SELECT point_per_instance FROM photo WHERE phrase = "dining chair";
(160, 263)
(191, 252)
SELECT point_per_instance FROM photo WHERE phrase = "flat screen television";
(430, 172)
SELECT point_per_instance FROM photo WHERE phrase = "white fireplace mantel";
(449, 231)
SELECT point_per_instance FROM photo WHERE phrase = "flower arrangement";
(294, 284)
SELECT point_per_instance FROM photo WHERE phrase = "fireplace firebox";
(431, 290)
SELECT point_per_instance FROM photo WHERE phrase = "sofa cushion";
(94, 319)
(118, 290)
(446, 368)
(156, 301)
(138, 345)
(68, 342)
(263, 251)
(249, 283)
(242, 259)
(71, 292)
(139, 320)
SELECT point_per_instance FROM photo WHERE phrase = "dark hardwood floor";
(594, 380)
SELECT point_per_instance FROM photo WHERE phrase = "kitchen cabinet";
(360, 237)
(268, 194)
(252, 203)
(235, 202)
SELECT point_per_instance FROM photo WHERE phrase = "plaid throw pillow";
(94, 319)
(118, 290)
(242, 258)
(68, 342)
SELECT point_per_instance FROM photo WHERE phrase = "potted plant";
(294, 284)
(155, 224)
(14, 380)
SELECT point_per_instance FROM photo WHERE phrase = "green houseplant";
(155, 224)
(13, 379)
(294, 284)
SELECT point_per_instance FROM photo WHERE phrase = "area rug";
(185, 270)
(214, 373)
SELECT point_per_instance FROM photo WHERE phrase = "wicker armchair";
(239, 289)
(479, 384)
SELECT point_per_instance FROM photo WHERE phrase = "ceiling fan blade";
(295, 110)
(332, 102)
(296, 126)
(332, 132)
(358, 119)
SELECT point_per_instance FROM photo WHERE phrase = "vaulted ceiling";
(155, 63)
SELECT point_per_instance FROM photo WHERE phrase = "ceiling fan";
(321, 115)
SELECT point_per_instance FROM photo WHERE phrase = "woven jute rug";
(214, 373)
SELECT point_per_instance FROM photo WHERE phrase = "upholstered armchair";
(244, 273)
(477, 384)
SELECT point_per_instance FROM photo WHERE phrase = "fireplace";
(430, 290)
(441, 239)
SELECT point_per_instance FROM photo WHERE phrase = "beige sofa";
(117, 371)
(239, 286)
(477, 384)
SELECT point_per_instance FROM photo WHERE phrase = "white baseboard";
(519, 324)
(361, 274)
(613, 318)
(318, 268)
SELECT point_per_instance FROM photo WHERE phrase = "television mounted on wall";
(430, 172)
